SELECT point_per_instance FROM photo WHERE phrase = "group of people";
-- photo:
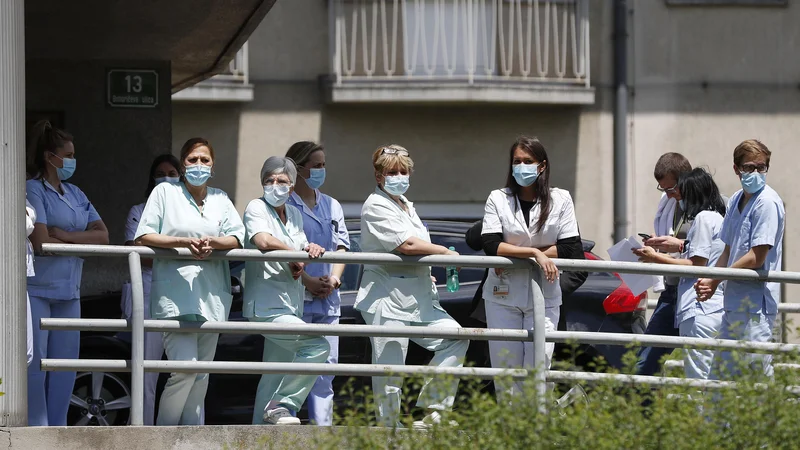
(696, 226)
(526, 219)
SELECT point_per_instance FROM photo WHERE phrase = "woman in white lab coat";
(526, 219)
(399, 295)
(165, 169)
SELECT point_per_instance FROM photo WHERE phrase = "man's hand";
(705, 288)
(667, 244)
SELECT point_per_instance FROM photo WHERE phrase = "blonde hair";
(750, 147)
(382, 161)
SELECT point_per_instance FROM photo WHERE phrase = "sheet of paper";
(623, 251)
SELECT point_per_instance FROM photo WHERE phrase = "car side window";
(352, 272)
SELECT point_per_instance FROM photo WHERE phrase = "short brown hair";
(192, 144)
(750, 147)
(671, 164)
(382, 161)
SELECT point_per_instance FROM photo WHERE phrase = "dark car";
(230, 397)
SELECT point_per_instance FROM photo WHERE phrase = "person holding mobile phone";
(670, 231)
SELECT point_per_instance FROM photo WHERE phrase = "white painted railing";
(237, 68)
(460, 40)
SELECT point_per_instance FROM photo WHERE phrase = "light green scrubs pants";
(289, 391)
(438, 395)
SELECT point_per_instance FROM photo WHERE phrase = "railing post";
(539, 348)
(137, 339)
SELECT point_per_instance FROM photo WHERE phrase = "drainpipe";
(13, 312)
(620, 120)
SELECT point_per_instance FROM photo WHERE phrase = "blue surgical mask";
(276, 195)
(682, 204)
(198, 174)
(753, 182)
(396, 185)
(317, 177)
(68, 167)
(525, 174)
(171, 180)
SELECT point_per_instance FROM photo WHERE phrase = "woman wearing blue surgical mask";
(399, 295)
(63, 215)
(526, 219)
(274, 293)
(192, 215)
(323, 224)
(165, 169)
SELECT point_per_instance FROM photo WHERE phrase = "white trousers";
(697, 363)
(320, 399)
(185, 393)
(153, 346)
(514, 355)
(392, 351)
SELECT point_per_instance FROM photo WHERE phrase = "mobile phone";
(645, 236)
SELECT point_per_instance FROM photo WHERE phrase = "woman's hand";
(646, 254)
(57, 233)
(547, 265)
(667, 244)
(297, 269)
(314, 251)
(705, 288)
(200, 247)
(319, 287)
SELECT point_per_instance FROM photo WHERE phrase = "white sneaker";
(280, 416)
(430, 420)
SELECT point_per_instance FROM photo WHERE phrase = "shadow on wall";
(460, 153)
(219, 124)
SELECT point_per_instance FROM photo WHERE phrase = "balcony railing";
(231, 85)
(526, 48)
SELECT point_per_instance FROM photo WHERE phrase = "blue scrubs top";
(190, 289)
(761, 222)
(324, 225)
(59, 277)
(702, 240)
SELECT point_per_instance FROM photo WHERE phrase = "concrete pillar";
(13, 371)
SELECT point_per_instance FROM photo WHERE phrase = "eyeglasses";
(750, 168)
(270, 181)
(393, 151)
(671, 190)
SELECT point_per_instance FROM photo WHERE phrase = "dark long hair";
(541, 187)
(699, 193)
(151, 181)
(44, 138)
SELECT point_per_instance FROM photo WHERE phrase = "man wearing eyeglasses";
(670, 232)
(753, 236)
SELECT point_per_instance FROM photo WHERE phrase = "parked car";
(230, 397)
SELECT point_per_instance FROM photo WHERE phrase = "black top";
(526, 210)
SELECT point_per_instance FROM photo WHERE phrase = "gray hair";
(279, 164)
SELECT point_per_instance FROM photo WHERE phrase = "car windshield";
(350, 278)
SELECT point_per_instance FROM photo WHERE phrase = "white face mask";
(276, 195)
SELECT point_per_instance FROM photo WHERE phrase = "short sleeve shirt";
(703, 240)
(323, 225)
(59, 277)
(760, 222)
(199, 289)
(270, 290)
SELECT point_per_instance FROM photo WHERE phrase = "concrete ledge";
(211, 91)
(179, 438)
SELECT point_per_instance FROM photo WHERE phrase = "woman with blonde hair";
(403, 295)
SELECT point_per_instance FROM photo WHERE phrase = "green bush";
(758, 413)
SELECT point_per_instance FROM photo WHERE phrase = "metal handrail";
(137, 365)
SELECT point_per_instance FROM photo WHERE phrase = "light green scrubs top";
(270, 290)
(190, 289)
(396, 292)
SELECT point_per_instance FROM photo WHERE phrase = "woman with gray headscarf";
(274, 293)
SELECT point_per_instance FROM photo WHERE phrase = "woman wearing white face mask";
(165, 169)
(526, 219)
(201, 218)
(274, 293)
(323, 223)
(403, 295)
